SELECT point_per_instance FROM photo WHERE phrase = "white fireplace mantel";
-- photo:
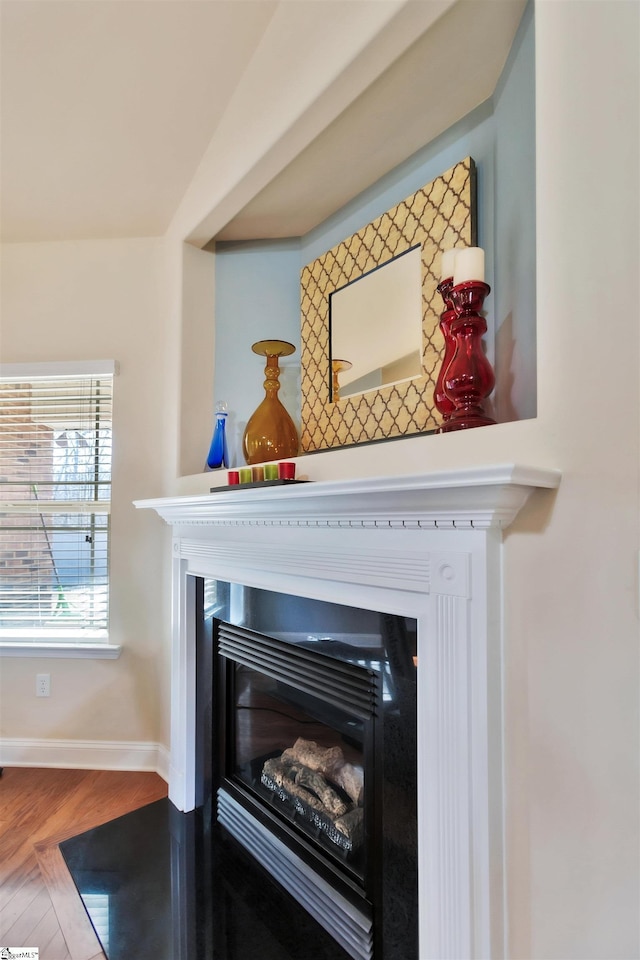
(478, 497)
(426, 546)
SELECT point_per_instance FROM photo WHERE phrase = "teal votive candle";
(271, 471)
(245, 474)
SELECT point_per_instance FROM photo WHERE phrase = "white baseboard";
(85, 755)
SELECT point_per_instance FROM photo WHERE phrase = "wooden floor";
(39, 808)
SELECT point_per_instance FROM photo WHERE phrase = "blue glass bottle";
(218, 454)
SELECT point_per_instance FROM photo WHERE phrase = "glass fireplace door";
(300, 741)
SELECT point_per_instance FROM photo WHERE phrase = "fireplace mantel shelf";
(489, 496)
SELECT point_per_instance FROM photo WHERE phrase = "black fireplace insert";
(307, 755)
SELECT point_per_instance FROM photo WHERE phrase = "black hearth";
(307, 755)
(163, 885)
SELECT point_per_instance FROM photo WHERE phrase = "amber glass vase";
(337, 366)
(270, 433)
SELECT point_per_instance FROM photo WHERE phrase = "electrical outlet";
(43, 684)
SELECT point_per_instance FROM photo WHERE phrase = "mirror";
(411, 235)
(376, 327)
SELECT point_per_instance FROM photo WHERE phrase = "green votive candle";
(271, 471)
(245, 474)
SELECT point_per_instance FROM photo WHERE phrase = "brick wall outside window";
(26, 473)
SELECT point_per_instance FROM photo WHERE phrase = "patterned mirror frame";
(437, 217)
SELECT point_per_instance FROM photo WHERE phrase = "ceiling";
(419, 96)
(107, 108)
(110, 108)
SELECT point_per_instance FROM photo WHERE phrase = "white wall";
(571, 571)
(196, 351)
(571, 559)
(100, 300)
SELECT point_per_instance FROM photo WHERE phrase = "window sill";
(76, 651)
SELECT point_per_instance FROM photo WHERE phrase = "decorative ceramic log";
(312, 755)
(351, 779)
(314, 781)
(352, 825)
(279, 773)
(330, 762)
(314, 799)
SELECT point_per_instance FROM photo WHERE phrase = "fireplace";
(315, 756)
(418, 548)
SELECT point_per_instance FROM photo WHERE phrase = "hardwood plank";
(20, 933)
(56, 949)
(17, 900)
(40, 808)
(44, 931)
(17, 860)
(72, 917)
(47, 795)
(84, 811)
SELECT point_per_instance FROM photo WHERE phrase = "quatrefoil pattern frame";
(439, 216)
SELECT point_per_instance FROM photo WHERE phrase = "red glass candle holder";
(469, 378)
(444, 405)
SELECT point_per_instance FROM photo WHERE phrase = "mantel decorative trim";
(481, 497)
(352, 564)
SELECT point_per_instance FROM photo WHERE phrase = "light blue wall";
(473, 136)
(257, 298)
(515, 237)
(257, 284)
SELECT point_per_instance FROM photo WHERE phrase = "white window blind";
(55, 496)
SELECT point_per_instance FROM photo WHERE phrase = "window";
(55, 498)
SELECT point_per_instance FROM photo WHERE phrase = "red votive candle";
(233, 477)
(286, 471)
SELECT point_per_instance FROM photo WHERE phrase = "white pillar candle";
(447, 262)
(469, 265)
